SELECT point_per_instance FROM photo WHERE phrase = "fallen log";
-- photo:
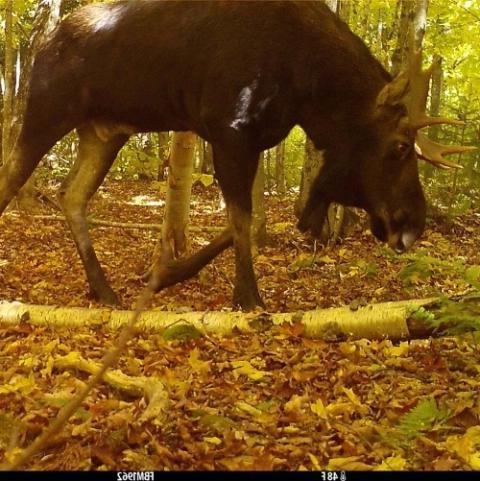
(395, 320)
(121, 225)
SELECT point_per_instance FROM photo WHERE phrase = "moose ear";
(394, 92)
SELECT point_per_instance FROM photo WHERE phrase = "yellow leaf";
(47, 370)
(295, 404)
(213, 440)
(348, 464)
(393, 463)
(198, 365)
(347, 348)
(48, 348)
(352, 396)
(24, 385)
(467, 446)
(474, 461)
(341, 408)
(314, 461)
(81, 429)
(398, 351)
(248, 408)
(29, 362)
(326, 260)
(11, 348)
(244, 368)
(318, 408)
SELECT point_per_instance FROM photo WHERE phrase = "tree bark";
(121, 225)
(332, 4)
(174, 240)
(47, 17)
(9, 79)
(207, 167)
(344, 10)
(435, 103)
(259, 222)
(163, 151)
(312, 164)
(399, 56)
(395, 320)
(280, 167)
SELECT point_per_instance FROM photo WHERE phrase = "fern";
(423, 417)
(458, 317)
(422, 266)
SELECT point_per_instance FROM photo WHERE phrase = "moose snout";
(401, 242)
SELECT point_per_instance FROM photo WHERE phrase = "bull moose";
(240, 75)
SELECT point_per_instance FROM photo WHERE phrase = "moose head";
(377, 168)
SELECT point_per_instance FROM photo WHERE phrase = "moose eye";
(403, 148)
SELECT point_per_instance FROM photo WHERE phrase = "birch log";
(394, 320)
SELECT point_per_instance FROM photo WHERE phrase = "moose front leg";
(235, 173)
(245, 292)
(235, 167)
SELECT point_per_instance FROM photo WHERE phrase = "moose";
(240, 75)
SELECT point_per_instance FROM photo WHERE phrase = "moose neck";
(343, 90)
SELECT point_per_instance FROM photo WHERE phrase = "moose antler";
(427, 149)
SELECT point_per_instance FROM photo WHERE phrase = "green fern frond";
(425, 416)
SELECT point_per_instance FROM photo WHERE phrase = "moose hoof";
(247, 300)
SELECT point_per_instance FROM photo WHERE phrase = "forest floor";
(274, 401)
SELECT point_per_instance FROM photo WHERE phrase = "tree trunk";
(47, 17)
(268, 170)
(280, 168)
(200, 157)
(399, 56)
(435, 101)
(344, 10)
(163, 151)
(312, 165)
(332, 4)
(259, 223)
(9, 79)
(420, 21)
(174, 240)
(207, 167)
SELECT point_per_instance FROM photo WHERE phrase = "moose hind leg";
(95, 157)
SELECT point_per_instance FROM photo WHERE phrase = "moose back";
(240, 75)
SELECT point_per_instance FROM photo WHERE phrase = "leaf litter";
(273, 401)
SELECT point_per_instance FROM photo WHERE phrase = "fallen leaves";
(273, 400)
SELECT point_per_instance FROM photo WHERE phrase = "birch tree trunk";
(435, 103)
(332, 4)
(174, 239)
(9, 79)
